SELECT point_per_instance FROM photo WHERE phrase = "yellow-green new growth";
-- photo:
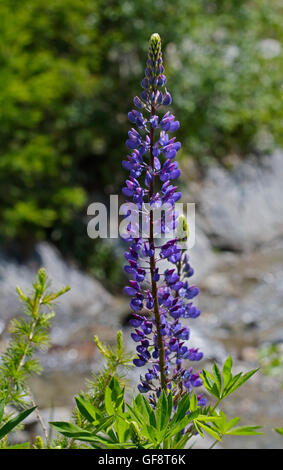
(155, 41)
(154, 53)
(155, 46)
(38, 443)
(183, 229)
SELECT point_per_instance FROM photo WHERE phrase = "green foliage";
(138, 425)
(220, 386)
(104, 416)
(225, 85)
(94, 405)
(113, 423)
(11, 423)
(29, 333)
(69, 70)
(116, 359)
(38, 443)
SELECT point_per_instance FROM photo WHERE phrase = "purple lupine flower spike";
(159, 300)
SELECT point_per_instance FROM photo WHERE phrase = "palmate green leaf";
(138, 401)
(182, 409)
(208, 429)
(86, 409)
(121, 445)
(181, 424)
(149, 411)
(150, 432)
(227, 374)
(221, 423)
(224, 428)
(193, 403)
(111, 433)
(232, 383)
(208, 378)
(180, 442)
(140, 410)
(146, 429)
(279, 430)
(176, 426)
(213, 419)
(98, 439)
(93, 438)
(136, 416)
(215, 383)
(238, 381)
(143, 411)
(160, 436)
(245, 431)
(76, 432)
(119, 401)
(231, 424)
(162, 411)
(108, 402)
(12, 423)
(217, 379)
(198, 429)
(121, 426)
(209, 383)
(68, 429)
(117, 393)
(187, 403)
(105, 424)
(108, 444)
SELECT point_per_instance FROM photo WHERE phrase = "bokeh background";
(68, 73)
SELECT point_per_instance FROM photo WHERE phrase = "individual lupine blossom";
(159, 300)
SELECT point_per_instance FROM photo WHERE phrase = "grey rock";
(202, 257)
(243, 208)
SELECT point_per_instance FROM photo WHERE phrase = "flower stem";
(160, 344)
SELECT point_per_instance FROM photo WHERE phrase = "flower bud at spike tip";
(155, 44)
(154, 53)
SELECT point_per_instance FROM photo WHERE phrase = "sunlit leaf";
(12, 423)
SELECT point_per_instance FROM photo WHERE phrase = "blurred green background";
(68, 72)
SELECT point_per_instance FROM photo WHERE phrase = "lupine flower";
(162, 299)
